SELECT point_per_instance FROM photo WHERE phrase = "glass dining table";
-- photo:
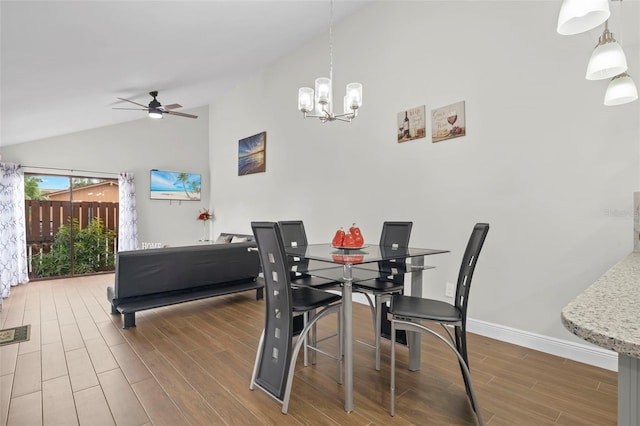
(356, 266)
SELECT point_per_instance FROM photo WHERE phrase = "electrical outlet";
(450, 290)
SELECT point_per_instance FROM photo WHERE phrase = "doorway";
(71, 225)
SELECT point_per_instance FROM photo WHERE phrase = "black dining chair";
(301, 269)
(294, 235)
(408, 312)
(395, 235)
(276, 355)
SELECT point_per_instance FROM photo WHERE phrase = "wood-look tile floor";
(190, 364)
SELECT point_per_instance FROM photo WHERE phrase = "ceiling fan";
(155, 108)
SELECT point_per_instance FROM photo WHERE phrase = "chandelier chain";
(331, 42)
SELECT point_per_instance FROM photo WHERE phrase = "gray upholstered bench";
(147, 279)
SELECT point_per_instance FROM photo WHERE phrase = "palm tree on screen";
(186, 183)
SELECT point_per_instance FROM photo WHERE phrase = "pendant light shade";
(578, 16)
(608, 59)
(621, 90)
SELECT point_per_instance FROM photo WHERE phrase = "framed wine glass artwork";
(448, 122)
(411, 124)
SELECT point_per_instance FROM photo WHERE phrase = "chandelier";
(319, 103)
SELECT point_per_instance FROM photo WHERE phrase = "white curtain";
(13, 239)
(127, 222)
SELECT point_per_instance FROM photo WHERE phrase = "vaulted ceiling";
(65, 63)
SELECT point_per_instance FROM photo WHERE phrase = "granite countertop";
(608, 312)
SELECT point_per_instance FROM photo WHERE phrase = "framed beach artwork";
(252, 154)
(448, 122)
(411, 124)
(175, 185)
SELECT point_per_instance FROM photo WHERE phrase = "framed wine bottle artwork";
(411, 124)
(448, 122)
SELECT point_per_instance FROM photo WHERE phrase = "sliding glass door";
(71, 225)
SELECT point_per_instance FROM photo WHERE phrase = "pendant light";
(608, 59)
(578, 16)
(621, 90)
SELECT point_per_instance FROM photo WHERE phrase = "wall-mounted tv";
(175, 186)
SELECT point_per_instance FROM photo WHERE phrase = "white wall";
(544, 162)
(173, 143)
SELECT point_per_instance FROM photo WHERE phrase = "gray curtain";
(13, 239)
(127, 222)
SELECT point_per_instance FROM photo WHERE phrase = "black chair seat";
(379, 286)
(304, 299)
(426, 309)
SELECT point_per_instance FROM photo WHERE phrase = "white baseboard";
(585, 353)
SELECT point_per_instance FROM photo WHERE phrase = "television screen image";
(175, 186)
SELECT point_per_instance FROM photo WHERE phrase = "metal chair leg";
(392, 406)
(296, 351)
(314, 339)
(257, 363)
(377, 328)
(339, 346)
(305, 352)
(466, 374)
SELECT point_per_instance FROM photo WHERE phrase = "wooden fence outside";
(44, 219)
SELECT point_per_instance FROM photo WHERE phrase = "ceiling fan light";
(578, 16)
(607, 60)
(155, 113)
(621, 90)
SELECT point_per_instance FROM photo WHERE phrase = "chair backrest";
(469, 260)
(293, 233)
(396, 233)
(278, 330)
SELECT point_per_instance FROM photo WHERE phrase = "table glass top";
(367, 254)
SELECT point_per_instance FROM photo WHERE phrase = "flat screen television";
(175, 185)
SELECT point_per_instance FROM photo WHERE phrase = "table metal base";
(628, 390)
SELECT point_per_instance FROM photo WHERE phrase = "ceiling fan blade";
(127, 100)
(172, 106)
(180, 114)
(134, 109)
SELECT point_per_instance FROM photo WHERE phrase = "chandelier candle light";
(319, 104)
